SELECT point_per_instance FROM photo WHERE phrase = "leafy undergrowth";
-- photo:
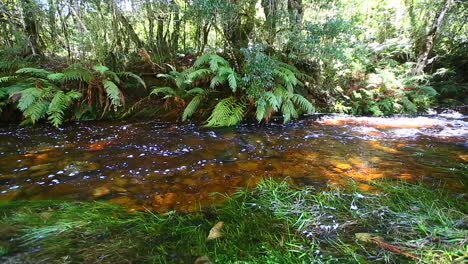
(273, 223)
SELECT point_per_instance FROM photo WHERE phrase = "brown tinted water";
(162, 167)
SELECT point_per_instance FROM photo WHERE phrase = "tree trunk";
(31, 27)
(430, 38)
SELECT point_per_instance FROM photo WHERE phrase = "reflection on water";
(163, 167)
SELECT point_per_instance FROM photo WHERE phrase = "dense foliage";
(225, 61)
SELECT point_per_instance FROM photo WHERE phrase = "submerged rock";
(101, 191)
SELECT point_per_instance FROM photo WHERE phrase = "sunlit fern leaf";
(134, 76)
(5, 79)
(76, 72)
(113, 93)
(216, 80)
(228, 112)
(194, 75)
(100, 68)
(59, 104)
(37, 110)
(272, 100)
(56, 77)
(28, 97)
(195, 90)
(303, 103)
(33, 71)
(232, 79)
(261, 107)
(192, 106)
(375, 110)
(171, 67)
(213, 60)
(297, 73)
(288, 110)
(163, 90)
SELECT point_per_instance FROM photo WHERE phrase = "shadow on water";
(163, 167)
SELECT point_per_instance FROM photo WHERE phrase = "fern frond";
(113, 93)
(163, 90)
(228, 112)
(100, 68)
(76, 72)
(5, 79)
(195, 90)
(409, 106)
(303, 103)
(28, 97)
(59, 103)
(288, 110)
(213, 60)
(428, 90)
(56, 77)
(134, 76)
(33, 71)
(36, 111)
(191, 107)
(232, 80)
(194, 75)
(113, 75)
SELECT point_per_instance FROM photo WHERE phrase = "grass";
(273, 223)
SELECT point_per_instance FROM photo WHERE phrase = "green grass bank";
(396, 222)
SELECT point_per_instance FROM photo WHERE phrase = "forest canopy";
(223, 61)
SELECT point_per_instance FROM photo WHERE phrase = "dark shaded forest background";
(220, 62)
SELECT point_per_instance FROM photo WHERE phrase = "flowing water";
(160, 166)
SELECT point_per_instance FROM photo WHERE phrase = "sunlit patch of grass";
(272, 223)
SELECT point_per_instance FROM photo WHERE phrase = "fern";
(409, 106)
(303, 103)
(191, 107)
(58, 105)
(56, 77)
(36, 111)
(5, 79)
(163, 90)
(196, 74)
(76, 72)
(33, 71)
(228, 112)
(196, 90)
(28, 97)
(134, 76)
(100, 68)
(113, 93)
(214, 61)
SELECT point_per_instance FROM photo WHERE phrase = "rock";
(101, 191)
(216, 231)
(203, 260)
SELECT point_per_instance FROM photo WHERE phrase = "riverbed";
(158, 166)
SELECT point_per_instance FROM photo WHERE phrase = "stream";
(151, 165)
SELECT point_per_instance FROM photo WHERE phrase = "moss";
(273, 223)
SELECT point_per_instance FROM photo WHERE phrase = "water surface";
(160, 166)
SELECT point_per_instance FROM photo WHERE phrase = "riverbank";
(393, 222)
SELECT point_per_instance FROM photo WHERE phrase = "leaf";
(203, 260)
(100, 68)
(113, 92)
(228, 112)
(191, 107)
(364, 237)
(215, 231)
